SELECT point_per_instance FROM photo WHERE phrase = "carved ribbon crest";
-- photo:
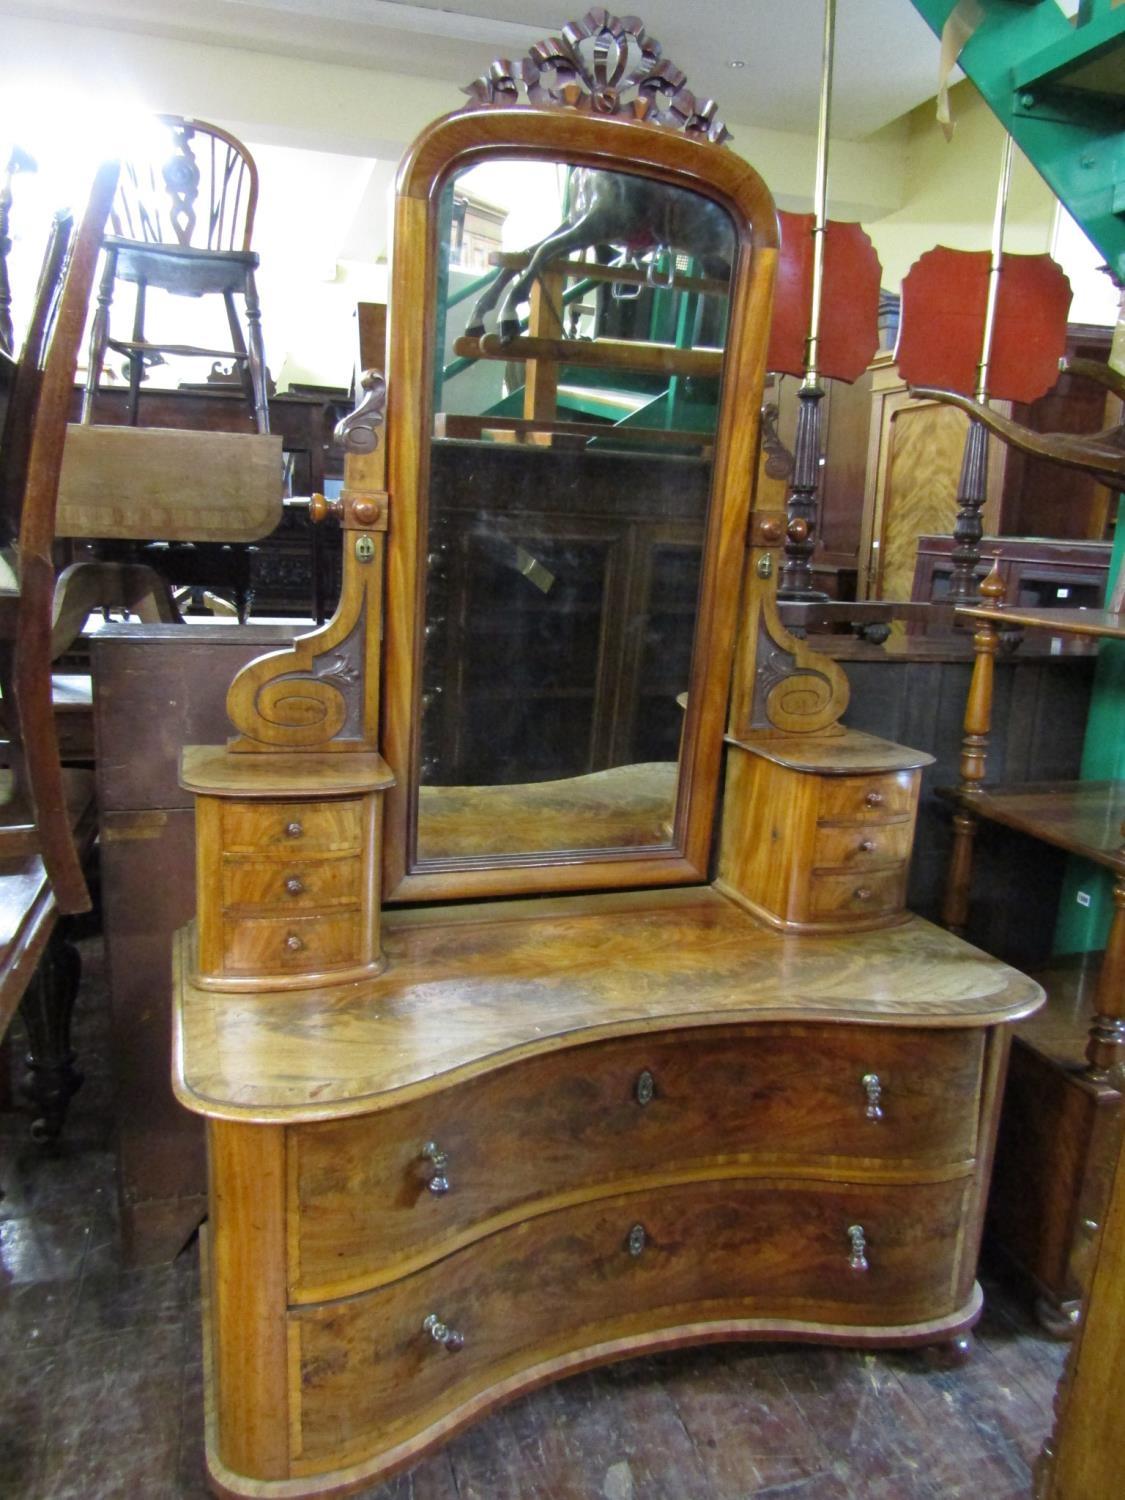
(603, 65)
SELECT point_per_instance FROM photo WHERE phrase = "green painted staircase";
(1058, 86)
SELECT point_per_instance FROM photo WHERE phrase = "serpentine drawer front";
(374, 1369)
(870, 799)
(374, 1196)
(291, 829)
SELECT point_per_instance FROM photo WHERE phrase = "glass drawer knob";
(294, 943)
(432, 1152)
(873, 1088)
(857, 1241)
(293, 830)
(441, 1333)
(294, 885)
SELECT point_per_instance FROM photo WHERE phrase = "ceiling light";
(736, 62)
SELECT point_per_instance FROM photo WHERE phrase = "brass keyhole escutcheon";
(765, 565)
(638, 1239)
(364, 549)
(645, 1088)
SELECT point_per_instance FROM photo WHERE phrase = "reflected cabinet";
(551, 995)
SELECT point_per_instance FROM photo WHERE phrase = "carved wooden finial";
(601, 65)
(993, 587)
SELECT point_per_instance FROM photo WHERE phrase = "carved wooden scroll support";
(781, 685)
(322, 694)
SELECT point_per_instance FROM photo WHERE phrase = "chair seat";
(182, 269)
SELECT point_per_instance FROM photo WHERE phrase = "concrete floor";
(101, 1383)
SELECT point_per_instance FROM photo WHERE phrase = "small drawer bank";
(287, 870)
(825, 841)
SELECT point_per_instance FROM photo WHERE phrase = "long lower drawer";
(369, 1372)
(840, 1101)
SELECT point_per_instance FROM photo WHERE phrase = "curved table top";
(470, 989)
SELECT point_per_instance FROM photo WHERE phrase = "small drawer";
(850, 798)
(279, 945)
(847, 847)
(373, 1196)
(291, 827)
(373, 1370)
(861, 893)
(292, 884)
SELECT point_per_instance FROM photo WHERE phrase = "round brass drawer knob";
(294, 885)
(874, 799)
(294, 943)
(293, 830)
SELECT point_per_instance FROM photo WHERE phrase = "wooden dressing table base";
(560, 1132)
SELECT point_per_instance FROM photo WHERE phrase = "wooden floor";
(100, 1378)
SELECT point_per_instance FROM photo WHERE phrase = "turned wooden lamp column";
(974, 754)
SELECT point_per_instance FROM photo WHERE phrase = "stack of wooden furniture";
(458, 1150)
(1062, 1119)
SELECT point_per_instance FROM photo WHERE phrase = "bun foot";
(950, 1355)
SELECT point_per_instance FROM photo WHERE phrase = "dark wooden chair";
(47, 814)
(184, 226)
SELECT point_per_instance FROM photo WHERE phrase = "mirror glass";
(579, 323)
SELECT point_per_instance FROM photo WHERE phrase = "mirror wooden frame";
(450, 146)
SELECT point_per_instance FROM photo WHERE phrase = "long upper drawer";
(369, 1373)
(885, 1102)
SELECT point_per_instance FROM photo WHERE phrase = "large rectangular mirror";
(576, 512)
(575, 406)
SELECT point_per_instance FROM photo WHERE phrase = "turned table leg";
(46, 1008)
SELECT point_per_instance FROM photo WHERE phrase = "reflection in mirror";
(580, 325)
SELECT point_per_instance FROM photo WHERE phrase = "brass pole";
(995, 267)
(820, 196)
(796, 581)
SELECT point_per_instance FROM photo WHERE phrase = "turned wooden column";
(974, 755)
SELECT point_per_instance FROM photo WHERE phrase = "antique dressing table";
(499, 1082)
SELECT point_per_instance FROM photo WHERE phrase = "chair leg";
(47, 1007)
(257, 353)
(99, 335)
(136, 357)
(241, 358)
